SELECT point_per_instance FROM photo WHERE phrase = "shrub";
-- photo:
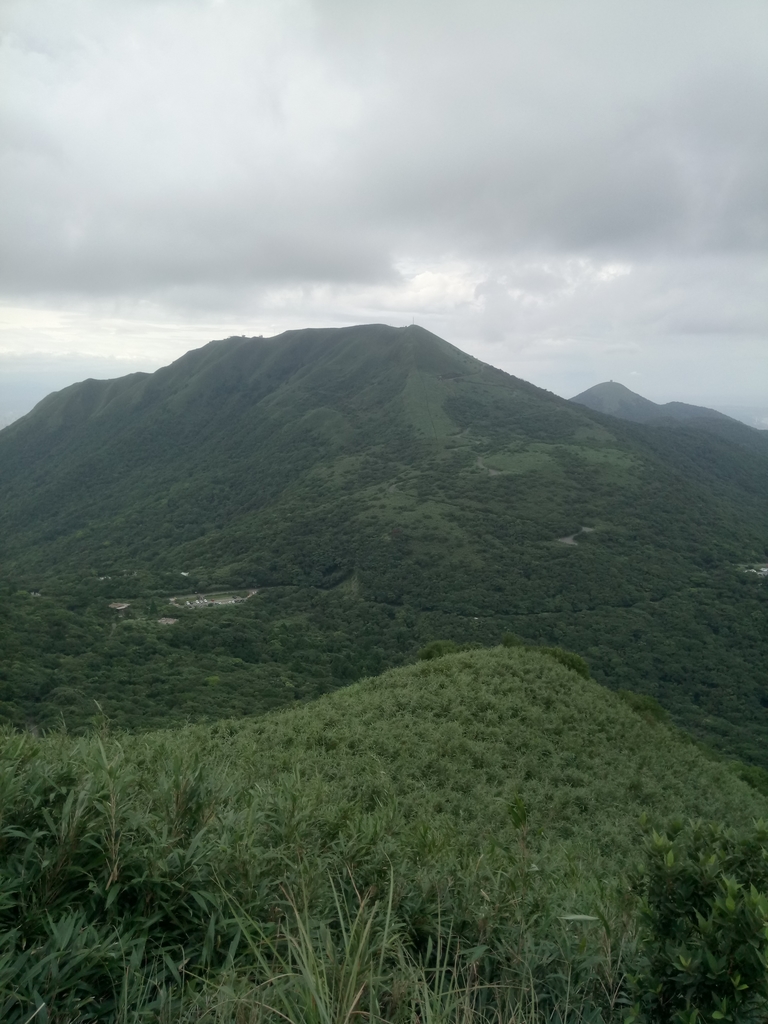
(567, 658)
(753, 775)
(437, 649)
(705, 919)
(647, 707)
(512, 640)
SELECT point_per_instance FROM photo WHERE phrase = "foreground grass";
(452, 840)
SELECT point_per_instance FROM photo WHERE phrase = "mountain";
(483, 808)
(616, 400)
(378, 488)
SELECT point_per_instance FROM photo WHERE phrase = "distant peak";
(615, 399)
(609, 387)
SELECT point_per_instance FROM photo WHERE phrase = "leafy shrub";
(705, 917)
(647, 707)
(569, 659)
(437, 649)
(135, 885)
(753, 775)
(512, 640)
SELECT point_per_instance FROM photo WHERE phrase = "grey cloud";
(218, 159)
(571, 142)
(164, 161)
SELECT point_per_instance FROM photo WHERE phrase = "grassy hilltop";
(455, 740)
(379, 488)
(452, 839)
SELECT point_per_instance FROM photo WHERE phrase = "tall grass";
(360, 965)
(331, 867)
(127, 898)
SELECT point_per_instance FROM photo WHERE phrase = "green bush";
(753, 775)
(569, 659)
(437, 649)
(512, 640)
(705, 919)
(647, 707)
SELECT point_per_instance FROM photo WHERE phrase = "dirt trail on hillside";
(571, 539)
(489, 471)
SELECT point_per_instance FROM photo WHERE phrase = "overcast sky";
(573, 190)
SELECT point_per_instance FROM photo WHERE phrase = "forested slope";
(379, 488)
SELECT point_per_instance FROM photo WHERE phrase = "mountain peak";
(367, 488)
(615, 399)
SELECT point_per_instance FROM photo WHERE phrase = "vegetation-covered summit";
(378, 488)
(615, 399)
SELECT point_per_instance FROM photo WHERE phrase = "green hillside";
(471, 804)
(379, 488)
(454, 740)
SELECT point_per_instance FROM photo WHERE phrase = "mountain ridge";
(379, 488)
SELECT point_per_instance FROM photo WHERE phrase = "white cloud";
(548, 185)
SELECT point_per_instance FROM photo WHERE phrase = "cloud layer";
(565, 189)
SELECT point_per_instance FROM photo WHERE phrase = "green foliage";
(645, 706)
(569, 659)
(276, 648)
(512, 640)
(381, 489)
(447, 839)
(437, 649)
(103, 898)
(705, 918)
(753, 775)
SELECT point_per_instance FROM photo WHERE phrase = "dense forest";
(379, 489)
